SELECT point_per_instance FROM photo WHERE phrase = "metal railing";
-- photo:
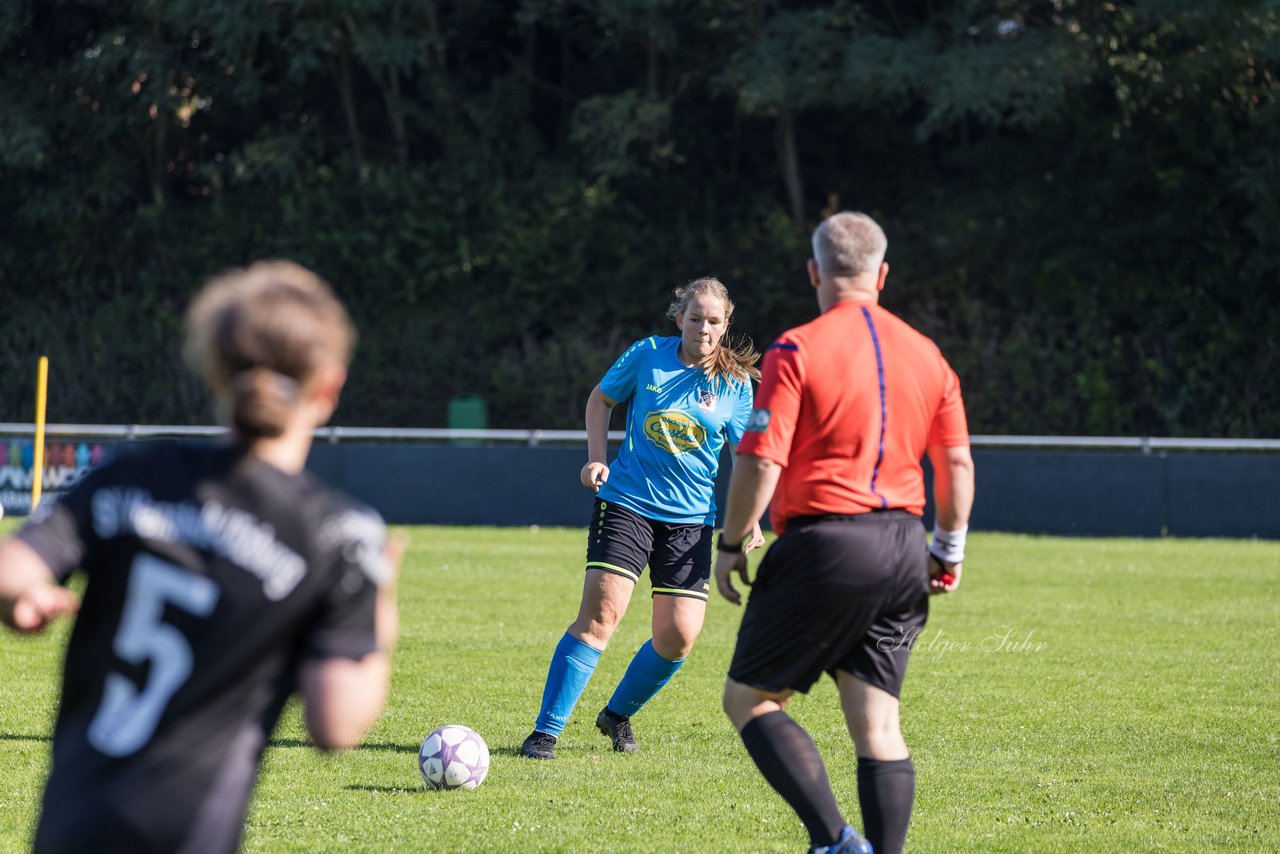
(534, 438)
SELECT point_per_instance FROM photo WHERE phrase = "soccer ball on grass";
(453, 757)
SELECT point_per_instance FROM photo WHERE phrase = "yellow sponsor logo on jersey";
(673, 431)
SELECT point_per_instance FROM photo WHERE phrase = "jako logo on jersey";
(673, 431)
(759, 421)
(656, 389)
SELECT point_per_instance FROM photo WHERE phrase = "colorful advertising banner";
(64, 464)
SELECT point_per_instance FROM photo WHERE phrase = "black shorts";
(836, 593)
(622, 541)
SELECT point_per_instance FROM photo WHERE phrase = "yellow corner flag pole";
(42, 385)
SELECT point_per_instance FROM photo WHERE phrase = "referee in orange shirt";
(848, 405)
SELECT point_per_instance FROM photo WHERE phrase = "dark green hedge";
(1082, 198)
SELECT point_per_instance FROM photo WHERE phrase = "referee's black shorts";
(836, 593)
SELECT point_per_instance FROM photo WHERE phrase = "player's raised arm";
(30, 596)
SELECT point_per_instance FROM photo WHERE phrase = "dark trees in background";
(1082, 197)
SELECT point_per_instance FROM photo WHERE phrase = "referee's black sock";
(791, 763)
(886, 788)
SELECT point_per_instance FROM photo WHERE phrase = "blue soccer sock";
(646, 674)
(571, 667)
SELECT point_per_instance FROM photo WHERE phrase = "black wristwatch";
(722, 546)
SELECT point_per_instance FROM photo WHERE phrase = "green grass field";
(1075, 695)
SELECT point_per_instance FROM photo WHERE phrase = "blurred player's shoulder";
(332, 523)
(358, 533)
(253, 484)
(344, 526)
(164, 458)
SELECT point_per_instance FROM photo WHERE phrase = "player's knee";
(595, 625)
(674, 645)
(731, 703)
(885, 742)
(741, 703)
(593, 631)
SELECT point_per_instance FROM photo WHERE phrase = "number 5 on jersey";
(128, 717)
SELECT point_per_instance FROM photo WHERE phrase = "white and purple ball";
(453, 757)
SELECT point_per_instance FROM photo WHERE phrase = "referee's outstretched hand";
(727, 563)
(593, 476)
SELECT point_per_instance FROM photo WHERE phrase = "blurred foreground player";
(848, 406)
(220, 577)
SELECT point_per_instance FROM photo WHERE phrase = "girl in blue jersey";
(686, 395)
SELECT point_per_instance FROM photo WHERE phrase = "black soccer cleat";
(618, 728)
(539, 745)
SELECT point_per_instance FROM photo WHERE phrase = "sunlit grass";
(1106, 695)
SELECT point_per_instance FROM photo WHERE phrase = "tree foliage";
(1081, 196)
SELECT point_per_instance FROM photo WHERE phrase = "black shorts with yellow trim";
(622, 542)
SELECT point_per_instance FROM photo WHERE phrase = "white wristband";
(948, 546)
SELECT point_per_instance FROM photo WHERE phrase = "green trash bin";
(468, 413)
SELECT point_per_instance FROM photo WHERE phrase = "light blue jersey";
(677, 423)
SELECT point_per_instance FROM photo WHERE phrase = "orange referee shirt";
(847, 405)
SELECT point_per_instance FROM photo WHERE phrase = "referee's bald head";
(849, 244)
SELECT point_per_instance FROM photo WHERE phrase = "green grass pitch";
(1100, 695)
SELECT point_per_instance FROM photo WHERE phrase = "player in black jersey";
(220, 578)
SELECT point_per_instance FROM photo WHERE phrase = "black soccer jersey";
(211, 577)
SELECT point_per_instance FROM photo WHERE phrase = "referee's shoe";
(618, 728)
